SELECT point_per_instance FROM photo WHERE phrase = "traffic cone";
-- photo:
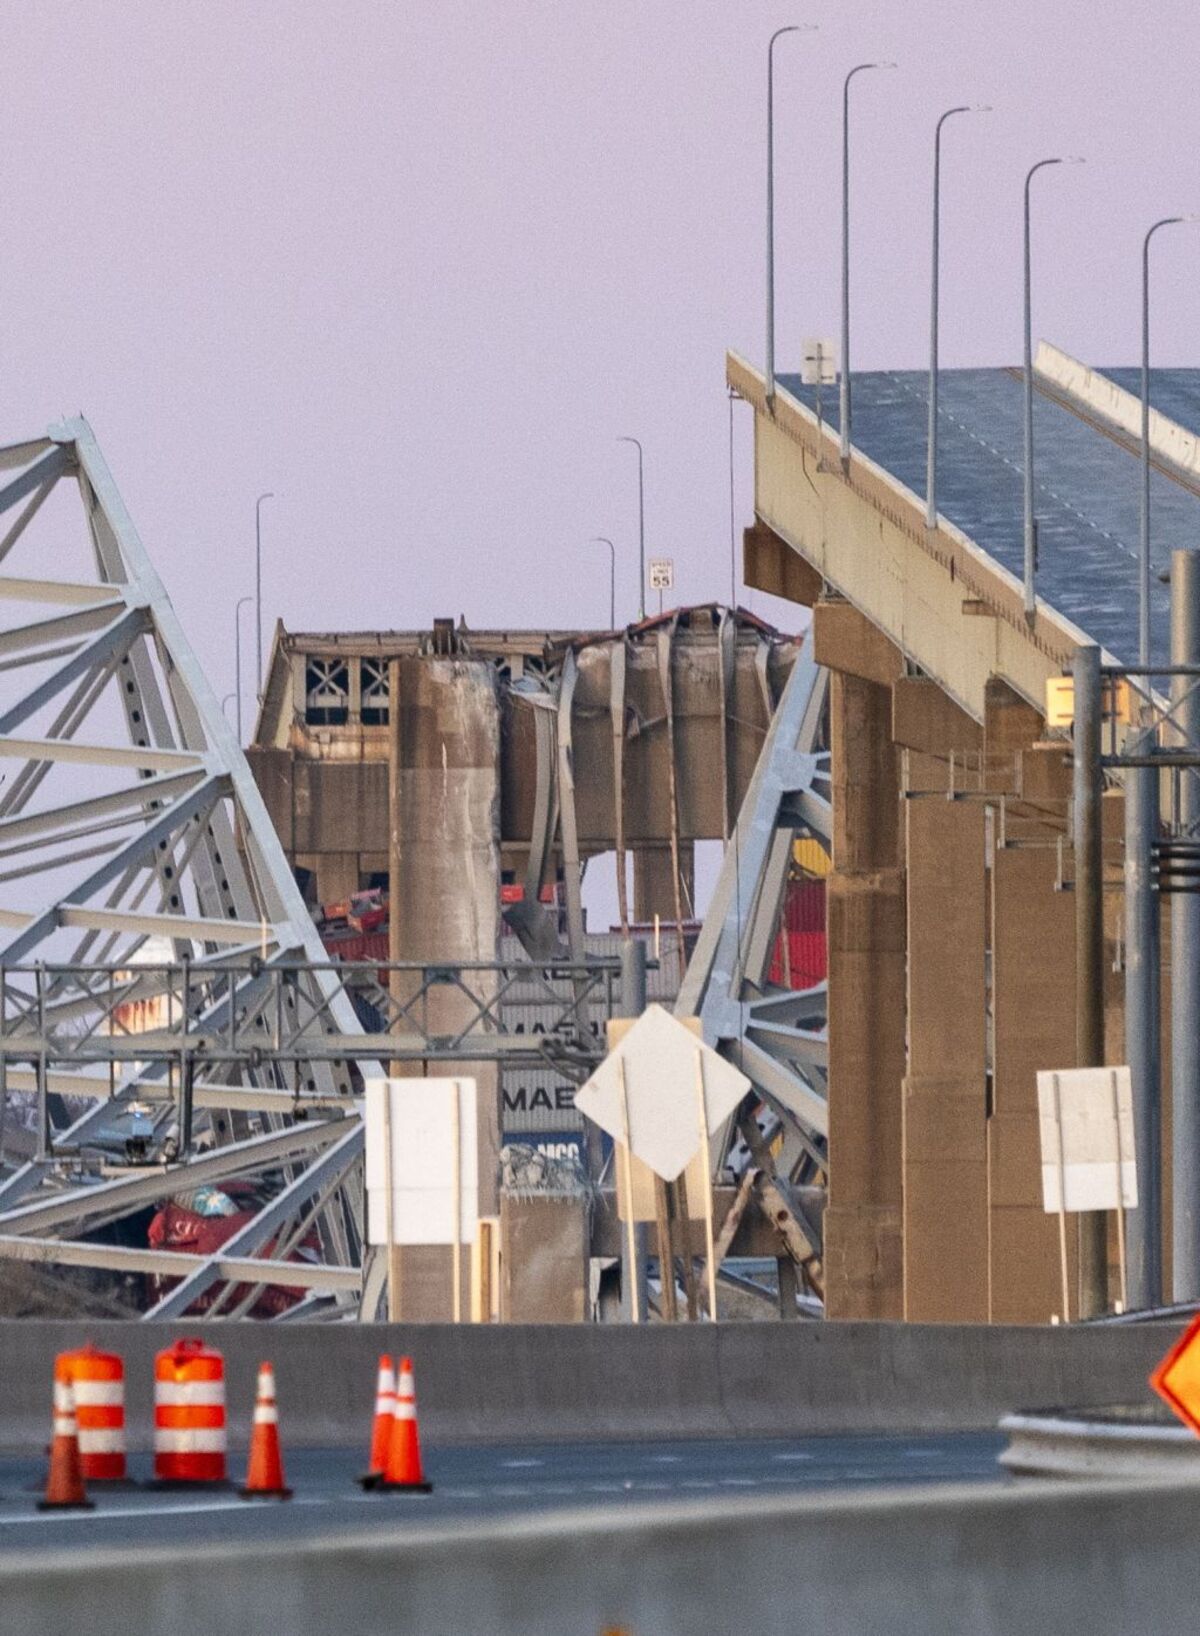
(64, 1485)
(264, 1474)
(403, 1471)
(381, 1429)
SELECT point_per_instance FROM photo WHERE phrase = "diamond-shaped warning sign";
(1177, 1378)
(657, 1060)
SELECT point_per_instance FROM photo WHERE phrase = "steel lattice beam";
(764, 1029)
(129, 820)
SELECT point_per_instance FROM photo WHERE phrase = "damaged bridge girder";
(777, 1037)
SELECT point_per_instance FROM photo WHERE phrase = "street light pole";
(931, 446)
(237, 661)
(258, 504)
(790, 28)
(1144, 533)
(641, 527)
(844, 393)
(601, 539)
(1030, 524)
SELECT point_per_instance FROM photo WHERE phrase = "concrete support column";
(1033, 1009)
(945, 1091)
(445, 890)
(866, 932)
(1033, 967)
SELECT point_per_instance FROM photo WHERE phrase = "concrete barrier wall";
(1070, 1559)
(561, 1382)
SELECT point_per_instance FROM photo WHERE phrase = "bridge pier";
(867, 957)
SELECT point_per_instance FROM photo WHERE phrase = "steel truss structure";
(167, 1008)
(777, 1036)
(131, 829)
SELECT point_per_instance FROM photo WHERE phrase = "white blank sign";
(422, 1128)
(658, 1057)
(1086, 1120)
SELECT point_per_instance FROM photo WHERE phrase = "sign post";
(660, 1093)
(709, 1237)
(630, 1224)
(422, 1178)
(456, 1189)
(662, 577)
(392, 1250)
(1088, 1156)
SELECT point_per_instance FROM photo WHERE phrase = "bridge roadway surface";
(494, 1481)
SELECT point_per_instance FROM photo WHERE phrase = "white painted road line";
(798, 1456)
(520, 1465)
(191, 1509)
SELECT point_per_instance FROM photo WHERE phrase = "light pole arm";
(844, 387)
(789, 28)
(1144, 540)
(1029, 527)
(258, 505)
(237, 651)
(931, 450)
(602, 539)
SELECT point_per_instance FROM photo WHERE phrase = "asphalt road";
(488, 1481)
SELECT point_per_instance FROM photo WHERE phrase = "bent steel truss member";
(776, 1036)
(131, 830)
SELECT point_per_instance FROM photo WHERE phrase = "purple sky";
(416, 267)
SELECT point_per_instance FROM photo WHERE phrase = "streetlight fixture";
(641, 527)
(790, 28)
(1030, 523)
(844, 393)
(258, 504)
(1144, 536)
(931, 455)
(601, 539)
(237, 660)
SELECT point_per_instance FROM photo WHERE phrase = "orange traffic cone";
(403, 1471)
(381, 1428)
(264, 1475)
(64, 1485)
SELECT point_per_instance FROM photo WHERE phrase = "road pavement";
(475, 1482)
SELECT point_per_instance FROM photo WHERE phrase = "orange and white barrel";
(98, 1379)
(189, 1414)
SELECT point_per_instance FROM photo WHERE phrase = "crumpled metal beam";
(726, 985)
